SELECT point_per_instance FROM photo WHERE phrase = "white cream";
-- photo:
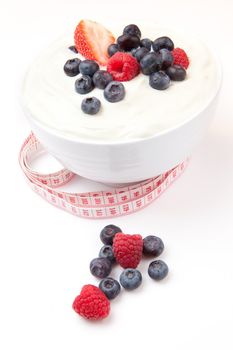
(49, 95)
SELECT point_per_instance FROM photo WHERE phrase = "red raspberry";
(91, 303)
(180, 57)
(123, 67)
(127, 249)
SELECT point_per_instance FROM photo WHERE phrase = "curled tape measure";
(102, 204)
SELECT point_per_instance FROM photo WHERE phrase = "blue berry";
(112, 49)
(110, 287)
(101, 79)
(140, 53)
(159, 80)
(91, 105)
(132, 30)
(84, 85)
(107, 252)
(153, 246)
(167, 58)
(163, 43)
(100, 267)
(158, 270)
(130, 279)
(114, 91)
(73, 49)
(128, 42)
(71, 67)
(108, 233)
(147, 43)
(88, 67)
(176, 72)
(151, 63)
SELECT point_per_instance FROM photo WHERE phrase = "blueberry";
(140, 53)
(167, 58)
(158, 270)
(101, 79)
(130, 279)
(163, 43)
(91, 105)
(110, 287)
(133, 51)
(132, 30)
(114, 91)
(100, 267)
(127, 42)
(159, 80)
(146, 43)
(108, 232)
(73, 49)
(107, 252)
(151, 63)
(153, 246)
(84, 84)
(112, 49)
(71, 67)
(176, 72)
(88, 67)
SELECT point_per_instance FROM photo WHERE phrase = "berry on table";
(114, 91)
(92, 40)
(128, 42)
(113, 48)
(123, 67)
(176, 72)
(140, 53)
(147, 43)
(159, 80)
(130, 279)
(110, 287)
(91, 105)
(151, 63)
(180, 57)
(92, 303)
(152, 246)
(88, 67)
(84, 85)
(71, 67)
(108, 232)
(127, 249)
(132, 29)
(167, 58)
(73, 49)
(163, 43)
(107, 252)
(158, 270)
(100, 267)
(101, 79)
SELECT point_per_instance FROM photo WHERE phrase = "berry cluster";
(125, 59)
(126, 250)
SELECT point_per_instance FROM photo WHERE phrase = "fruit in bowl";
(121, 104)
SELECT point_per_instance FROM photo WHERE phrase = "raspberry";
(92, 303)
(180, 57)
(123, 67)
(127, 249)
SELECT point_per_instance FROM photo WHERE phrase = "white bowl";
(127, 162)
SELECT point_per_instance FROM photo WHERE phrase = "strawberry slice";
(92, 40)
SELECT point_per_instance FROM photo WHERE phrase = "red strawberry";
(91, 303)
(180, 57)
(123, 67)
(92, 40)
(127, 249)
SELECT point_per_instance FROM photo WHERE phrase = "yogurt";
(50, 98)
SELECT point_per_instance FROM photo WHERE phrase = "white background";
(45, 252)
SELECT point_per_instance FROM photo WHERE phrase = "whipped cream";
(49, 95)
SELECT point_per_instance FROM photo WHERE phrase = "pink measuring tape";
(102, 204)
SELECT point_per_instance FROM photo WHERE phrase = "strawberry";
(92, 40)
